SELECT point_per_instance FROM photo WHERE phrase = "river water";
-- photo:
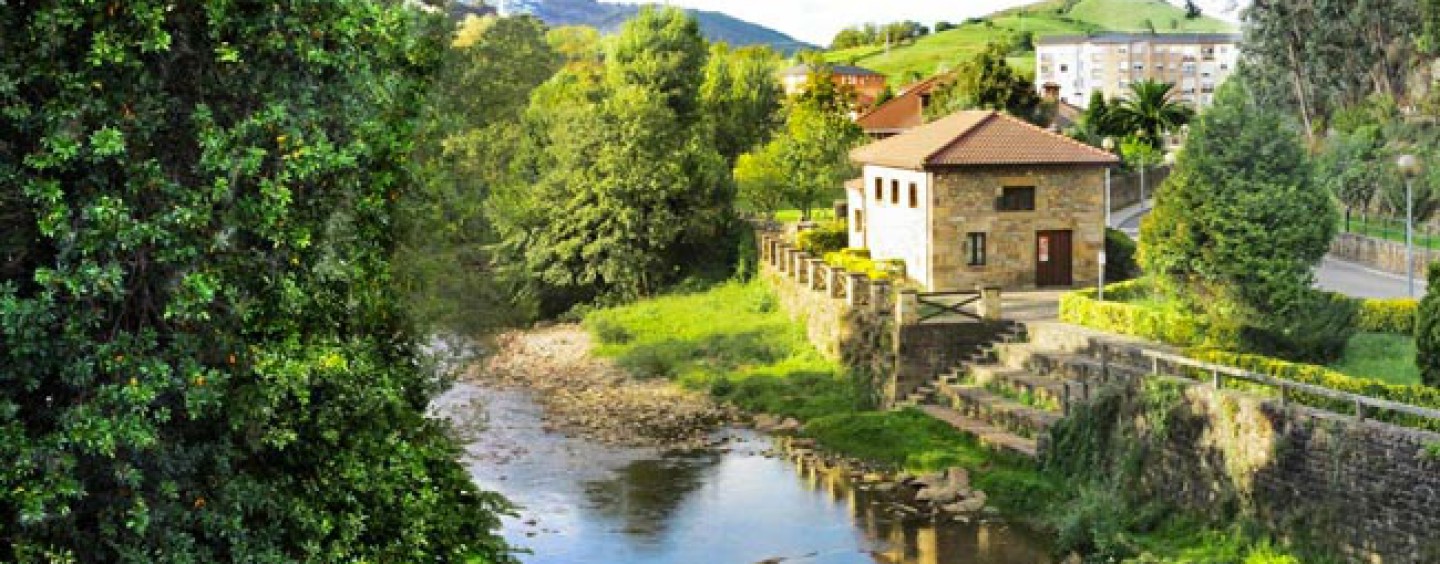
(585, 503)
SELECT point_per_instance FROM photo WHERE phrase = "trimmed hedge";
(1417, 395)
(1387, 316)
(1172, 327)
(828, 237)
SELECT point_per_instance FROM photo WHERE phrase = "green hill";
(939, 51)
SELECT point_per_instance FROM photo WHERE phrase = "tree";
(741, 98)
(761, 180)
(1235, 234)
(816, 155)
(1427, 330)
(206, 360)
(1192, 10)
(985, 82)
(621, 189)
(1151, 110)
(1350, 168)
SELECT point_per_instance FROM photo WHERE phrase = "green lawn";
(941, 51)
(1392, 229)
(1386, 357)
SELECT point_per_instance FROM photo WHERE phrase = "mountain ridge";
(608, 18)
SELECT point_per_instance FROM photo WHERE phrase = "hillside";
(609, 17)
(939, 51)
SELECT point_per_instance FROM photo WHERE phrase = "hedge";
(1172, 327)
(858, 260)
(829, 237)
(1417, 395)
(1387, 316)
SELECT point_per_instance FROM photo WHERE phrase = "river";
(586, 503)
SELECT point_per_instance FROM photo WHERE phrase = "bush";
(858, 260)
(1427, 330)
(1423, 396)
(1316, 333)
(1120, 251)
(1387, 316)
(829, 237)
(1171, 326)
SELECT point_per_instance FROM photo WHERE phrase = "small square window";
(975, 249)
(914, 195)
(1016, 198)
(895, 192)
(859, 221)
(879, 189)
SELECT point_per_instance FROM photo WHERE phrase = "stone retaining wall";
(1380, 254)
(1368, 491)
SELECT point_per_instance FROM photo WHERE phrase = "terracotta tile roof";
(976, 138)
(906, 111)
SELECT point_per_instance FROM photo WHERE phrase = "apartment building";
(1078, 65)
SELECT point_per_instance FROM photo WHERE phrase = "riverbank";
(732, 342)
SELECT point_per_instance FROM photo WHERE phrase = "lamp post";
(1410, 167)
(1109, 145)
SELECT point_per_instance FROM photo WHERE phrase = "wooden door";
(1053, 260)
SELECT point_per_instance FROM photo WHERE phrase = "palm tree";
(1152, 109)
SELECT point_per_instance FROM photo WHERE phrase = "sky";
(817, 21)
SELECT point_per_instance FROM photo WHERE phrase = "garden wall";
(1380, 254)
(1367, 490)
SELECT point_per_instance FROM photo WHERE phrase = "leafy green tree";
(761, 179)
(1151, 110)
(620, 189)
(1139, 153)
(1350, 167)
(741, 98)
(206, 360)
(1427, 330)
(1192, 10)
(986, 81)
(472, 128)
(802, 166)
(1234, 234)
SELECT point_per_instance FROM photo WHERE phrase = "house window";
(1017, 198)
(975, 249)
(895, 192)
(914, 195)
(879, 190)
(1064, 68)
(859, 221)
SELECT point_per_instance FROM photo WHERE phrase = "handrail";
(1360, 402)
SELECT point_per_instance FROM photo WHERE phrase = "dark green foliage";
(1427, 330)
(987, 82)
(1120, 263)
(1238, 228)
(1316, 332)
(1150, 111)
(205, 358)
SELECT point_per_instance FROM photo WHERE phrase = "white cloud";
(816, 21)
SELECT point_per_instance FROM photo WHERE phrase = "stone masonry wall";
(1380, 254)
(1066, 198)
(1366, 490)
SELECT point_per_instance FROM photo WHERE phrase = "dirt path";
(591, 397)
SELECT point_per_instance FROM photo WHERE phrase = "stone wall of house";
(1066, 198)
(1362, 489)
(1380, 254)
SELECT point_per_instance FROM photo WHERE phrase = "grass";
(1386, 357)
(733, 341)
(938, 52)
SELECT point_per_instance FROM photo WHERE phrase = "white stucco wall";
(894, 230)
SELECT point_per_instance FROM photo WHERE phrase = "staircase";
(1013, 390)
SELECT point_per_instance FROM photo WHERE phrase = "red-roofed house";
(981, 198)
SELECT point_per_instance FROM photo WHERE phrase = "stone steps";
(989, 435)
(979, 403)
(1014, 382)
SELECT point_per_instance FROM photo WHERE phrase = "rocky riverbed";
(590, 397)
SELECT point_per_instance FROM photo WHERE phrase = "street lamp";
(1410, 167)
(1109, 145)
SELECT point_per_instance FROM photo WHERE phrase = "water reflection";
(588, 504)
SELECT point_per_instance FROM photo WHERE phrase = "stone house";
(980, 198)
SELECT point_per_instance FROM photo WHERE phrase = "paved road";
(1333, 274)
(1359, 281)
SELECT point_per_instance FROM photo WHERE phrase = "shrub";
(1120, 262)
(827, 238)
(1427, 330)
(1316, 332)
(1171, 326)
(1387, 316)
(1422, 396)
(858, 260)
